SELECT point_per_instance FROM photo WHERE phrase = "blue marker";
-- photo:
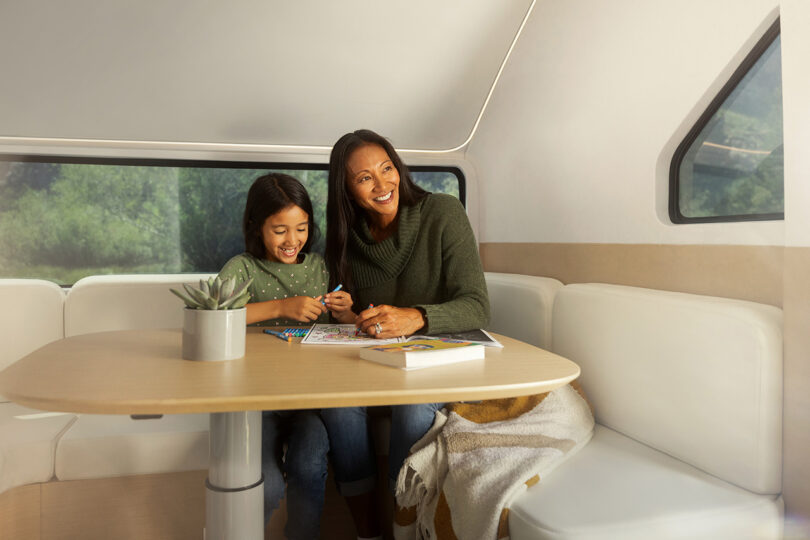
(340, 286)
(279, 335)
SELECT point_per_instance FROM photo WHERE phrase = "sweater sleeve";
(467, 305)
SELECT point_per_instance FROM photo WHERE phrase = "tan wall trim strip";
(746, 272)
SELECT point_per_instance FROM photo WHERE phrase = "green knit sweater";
(431, 262)
(275, 281)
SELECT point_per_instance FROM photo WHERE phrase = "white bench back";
(520, 306)
(32, 316)
(125, 302)
(696, 377)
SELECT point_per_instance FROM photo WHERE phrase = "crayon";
(340, 286)
(295, 332)
(357, 332)
(279, 335)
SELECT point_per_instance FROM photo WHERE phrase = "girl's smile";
(284, 234)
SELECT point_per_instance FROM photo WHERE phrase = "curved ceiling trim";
(248, 148)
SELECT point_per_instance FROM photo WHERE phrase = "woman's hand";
(393, 321)
(340, 305)
(302, 308)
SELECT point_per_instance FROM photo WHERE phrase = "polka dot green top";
(276, 281)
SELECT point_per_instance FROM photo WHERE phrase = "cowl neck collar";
(375, 262)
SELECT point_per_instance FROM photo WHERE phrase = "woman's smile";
(373, 183)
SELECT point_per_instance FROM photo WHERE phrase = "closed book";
(421, 353)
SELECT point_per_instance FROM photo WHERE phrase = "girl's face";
(284, 234)
(373, 181)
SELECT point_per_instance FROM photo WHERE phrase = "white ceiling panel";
(251, 72)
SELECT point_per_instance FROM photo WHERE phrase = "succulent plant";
(215, 293)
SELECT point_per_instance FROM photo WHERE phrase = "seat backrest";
(32, 316)
(125, 302)
(696, 377)
(520, 306)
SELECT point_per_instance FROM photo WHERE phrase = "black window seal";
(742, 70)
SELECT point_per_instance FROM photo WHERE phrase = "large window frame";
(228, 165)
(742, 70)
(215, 164)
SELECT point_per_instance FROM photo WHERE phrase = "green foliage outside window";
(733, 168)
(64, 221)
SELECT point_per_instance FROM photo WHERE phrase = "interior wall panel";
(19, 513)
(263, 72)
(570, 146)
(156, 506)
(573, 153)
(751, 273)
(796, 467)
(795, 92)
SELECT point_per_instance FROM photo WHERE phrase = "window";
(730, 165)
(62, 218)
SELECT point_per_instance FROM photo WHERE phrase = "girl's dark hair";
(268, 195)
(341, 210)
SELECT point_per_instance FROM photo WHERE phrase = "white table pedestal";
(234, 498)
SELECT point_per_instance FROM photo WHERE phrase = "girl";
(289, 287)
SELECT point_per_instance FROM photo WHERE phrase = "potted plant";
(214, 319)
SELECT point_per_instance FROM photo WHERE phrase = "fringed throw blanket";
(463, 474)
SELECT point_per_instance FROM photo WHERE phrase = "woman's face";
(373, 182)
(284, 234)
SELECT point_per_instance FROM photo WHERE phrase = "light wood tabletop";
(142, 372)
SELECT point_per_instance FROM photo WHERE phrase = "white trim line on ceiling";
(251, 148)
(491, 89)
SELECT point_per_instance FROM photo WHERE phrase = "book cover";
(420, 353)
(477, 335)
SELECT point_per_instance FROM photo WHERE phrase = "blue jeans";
(304, 465)
(352, 452)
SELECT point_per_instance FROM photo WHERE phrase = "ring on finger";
(378, 328)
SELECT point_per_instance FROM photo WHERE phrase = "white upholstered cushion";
(125, 302)
(696, 377)
(616, 488)
(116, 445)
(99, 446)
(27, 441)
(520, 306)
(32, 316)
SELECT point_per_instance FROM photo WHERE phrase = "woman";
(410, 256)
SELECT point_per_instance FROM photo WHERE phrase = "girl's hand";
(340, 305)
(302, 308)
(393, 321)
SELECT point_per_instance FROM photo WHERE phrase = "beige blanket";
(462, 475)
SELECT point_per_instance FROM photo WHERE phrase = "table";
(142, 372)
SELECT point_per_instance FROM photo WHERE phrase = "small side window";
(730, 165)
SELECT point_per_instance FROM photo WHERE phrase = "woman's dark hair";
(341, 210)
(268, 195)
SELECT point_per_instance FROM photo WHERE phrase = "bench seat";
(99, 446)
(32, 316)
(618, 488)
(27, 444)
(520, 306)
(687, 396)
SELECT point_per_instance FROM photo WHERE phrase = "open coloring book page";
(342, 334)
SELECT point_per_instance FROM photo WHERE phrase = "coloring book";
(342, 334)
